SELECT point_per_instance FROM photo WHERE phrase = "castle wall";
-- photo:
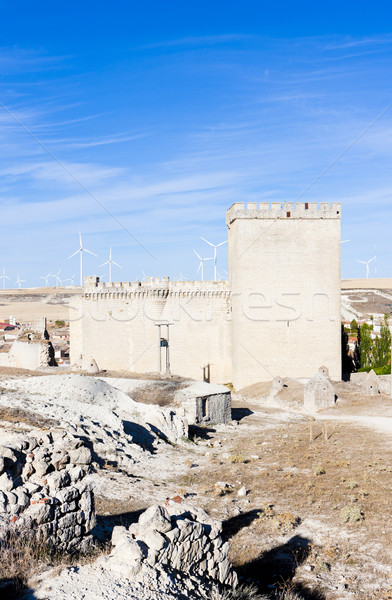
(284, 273)
(117, 327)
(279, 314)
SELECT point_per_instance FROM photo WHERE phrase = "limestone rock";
(242, 491)
(155, 517)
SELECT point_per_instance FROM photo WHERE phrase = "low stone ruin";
(319, 392)
(276, 385)
(202, 402)
(169, 540)
(370, 386)
(92, 367)
(43, 488)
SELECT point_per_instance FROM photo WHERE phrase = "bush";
(351, 514)
(385, 370)
(243, 592)
(250, 592)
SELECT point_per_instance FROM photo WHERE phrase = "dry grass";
(23, 555)
(341, 479)
(161, 394)
(18, 415)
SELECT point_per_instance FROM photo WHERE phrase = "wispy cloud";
(208, 40)
(13, 60)
(51, 172)
(74, 144)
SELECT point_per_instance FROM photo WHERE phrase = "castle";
(277, 315)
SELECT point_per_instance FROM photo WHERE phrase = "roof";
(7, 326)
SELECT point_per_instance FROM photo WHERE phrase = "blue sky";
(168, 112)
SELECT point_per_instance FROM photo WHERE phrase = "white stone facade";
(279, 313)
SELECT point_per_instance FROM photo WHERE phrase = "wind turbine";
(110, 262)
(19, 281)
(4, 277)
(215, 247)
(364, 262)
(201, 265)
(46, 277)
(57, 275)
(81, 250)
(70, 279)
(375, 261)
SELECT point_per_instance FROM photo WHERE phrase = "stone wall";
(26, 355)
(43, 488)
(117, 327)
(173, 538)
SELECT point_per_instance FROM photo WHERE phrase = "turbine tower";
(215, 247)
(19, 281)
(46, 278)
(110, 262)
(201, 265)
(81, 250)
(367, 263)
(58, 280)
(70, 279)
(4, 277)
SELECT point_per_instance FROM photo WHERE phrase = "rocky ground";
(304, 500)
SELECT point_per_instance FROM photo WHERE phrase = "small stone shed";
(319, 392)
(205, 403)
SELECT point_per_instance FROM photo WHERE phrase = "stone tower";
(284, 274)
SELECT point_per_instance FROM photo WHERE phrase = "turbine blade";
(103, 264)
(89, 251)
(198, 255)
(207, 242)
(74, 253)
(117, 265)
(221, 244)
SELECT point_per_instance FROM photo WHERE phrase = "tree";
(354, 327)
(382, 346)
(366, 346)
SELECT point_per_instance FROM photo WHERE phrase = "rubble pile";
(120, 430)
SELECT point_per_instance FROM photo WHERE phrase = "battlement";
(152, 287)
(283, 210)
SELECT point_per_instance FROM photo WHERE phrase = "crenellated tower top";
(283, 210)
